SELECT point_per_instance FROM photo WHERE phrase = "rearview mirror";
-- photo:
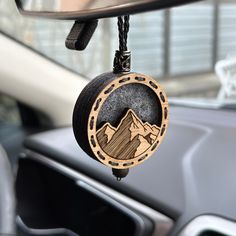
(91, 9)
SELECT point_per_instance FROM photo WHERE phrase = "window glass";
(163, 43)
(191, 52)
(9, 113)
(178, 46)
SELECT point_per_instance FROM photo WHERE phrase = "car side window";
(9, 111)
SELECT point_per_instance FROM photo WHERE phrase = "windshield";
(180, 47)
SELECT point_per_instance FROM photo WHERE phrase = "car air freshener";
(121, 117)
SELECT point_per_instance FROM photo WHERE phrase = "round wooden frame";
(107, 90)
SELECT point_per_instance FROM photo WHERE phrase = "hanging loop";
(123, 56)
(123, 27)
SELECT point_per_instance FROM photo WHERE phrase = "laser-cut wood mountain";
(131, 138)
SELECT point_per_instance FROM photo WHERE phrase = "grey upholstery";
(7, 196)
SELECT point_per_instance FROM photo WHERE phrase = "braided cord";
(123, 56)
(123, 27)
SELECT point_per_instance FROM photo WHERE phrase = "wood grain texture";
(108, 143)
(132, 141)
(131, 138)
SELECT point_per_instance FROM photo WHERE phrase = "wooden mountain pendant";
(121, 119)
(130, 139)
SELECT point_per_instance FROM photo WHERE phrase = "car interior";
(49, 186)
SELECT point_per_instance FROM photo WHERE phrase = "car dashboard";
(186, 188)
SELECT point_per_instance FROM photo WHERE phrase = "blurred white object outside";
(226, 72)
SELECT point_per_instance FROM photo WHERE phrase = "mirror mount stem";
(81, 34)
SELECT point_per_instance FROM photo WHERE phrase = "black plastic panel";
(193, 172)
(52, 202)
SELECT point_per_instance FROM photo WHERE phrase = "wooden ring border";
(111, 87)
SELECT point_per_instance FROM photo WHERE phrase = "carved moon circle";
(122, 119)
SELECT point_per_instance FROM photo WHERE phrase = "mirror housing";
(92, 9)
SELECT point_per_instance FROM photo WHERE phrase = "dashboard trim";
(162, 223)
